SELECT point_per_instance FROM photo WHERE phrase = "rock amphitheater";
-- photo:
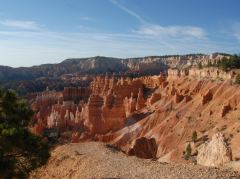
(152, 116)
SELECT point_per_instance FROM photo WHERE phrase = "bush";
(237, 79)
(209, 64)
(20, 150)
(194, 136)
(188, 152)
(200, 65)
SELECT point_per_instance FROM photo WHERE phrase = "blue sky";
(48, 31)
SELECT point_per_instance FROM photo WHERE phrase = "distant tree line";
(227, 63)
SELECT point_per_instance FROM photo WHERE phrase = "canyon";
(152, 116)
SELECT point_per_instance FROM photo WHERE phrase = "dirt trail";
(95, 160)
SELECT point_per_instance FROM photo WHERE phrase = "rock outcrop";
(143, 148)
(214, 153)
(225, 109)
(207, 97)
(155, 97)
(178, 98)
(140, 100)
(76, 94)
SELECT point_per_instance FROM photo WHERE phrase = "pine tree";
(237, 79)
(194, 136)
(20, 150)
(188, 152)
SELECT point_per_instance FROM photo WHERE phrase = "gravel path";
(95, 160)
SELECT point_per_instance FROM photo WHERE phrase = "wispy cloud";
(31, 44)
(171, 31)
(86, 18)
(127, 10)
(49, 46)
(236, 31)
(26, 25)
(156, 30)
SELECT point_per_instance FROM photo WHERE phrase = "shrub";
(200, 65)
(237, 79)
(188, 152)
(194, 136)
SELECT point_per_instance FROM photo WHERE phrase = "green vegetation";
(237, 79)
(209, 64)
(200, 65)
(194, 136)
(20, 150)
(187, 152)
(228, 63)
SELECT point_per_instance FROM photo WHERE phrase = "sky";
(48, 31)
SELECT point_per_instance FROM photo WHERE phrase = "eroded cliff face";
(184, 104)
(101, 108)
(121, 111)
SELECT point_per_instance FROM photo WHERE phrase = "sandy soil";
(95, 160)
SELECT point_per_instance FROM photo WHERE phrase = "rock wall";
(209, 73)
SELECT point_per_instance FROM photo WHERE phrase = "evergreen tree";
(188, 152)
(20, 150)
(194, 136)
(237, 79)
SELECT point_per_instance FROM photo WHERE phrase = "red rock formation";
(75, 138)
(225, 110)
(187, 98)
(115, 112)
(76, 94)
(207, 97)
(140, 100)
(130, 105)
(143, 148)
(171, 132)
(178, 98)
(155, 97)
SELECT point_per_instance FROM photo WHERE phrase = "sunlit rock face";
(119, 110)
(179, 105)
(101, 108)
(214, 153)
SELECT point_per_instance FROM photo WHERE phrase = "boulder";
(214, 153)
(144, 148)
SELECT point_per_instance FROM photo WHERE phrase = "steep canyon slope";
(151, 116)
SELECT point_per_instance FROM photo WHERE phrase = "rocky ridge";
(102, 65)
